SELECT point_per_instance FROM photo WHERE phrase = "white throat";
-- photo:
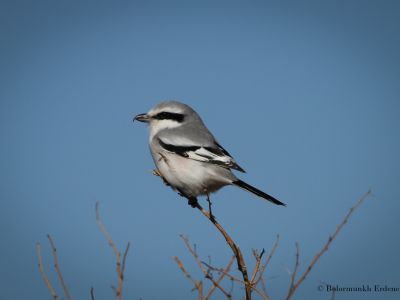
(157, 125)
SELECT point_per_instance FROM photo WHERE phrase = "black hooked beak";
(142, 118)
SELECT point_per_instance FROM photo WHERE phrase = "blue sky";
(304, 95)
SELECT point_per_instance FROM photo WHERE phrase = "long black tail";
(257, 192)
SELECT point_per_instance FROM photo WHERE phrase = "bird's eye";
(169, 116)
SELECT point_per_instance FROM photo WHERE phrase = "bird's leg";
(156, 173)
(212, 218)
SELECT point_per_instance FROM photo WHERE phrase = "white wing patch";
(203, 154)
(214, 155)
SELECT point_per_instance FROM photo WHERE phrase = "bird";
(187, 156)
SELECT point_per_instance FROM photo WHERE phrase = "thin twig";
(261, 272)
(235, 249)
(257, 269)
(264, 289)
(200, 264)
(43, 274)
(264, 266)
(257, 266)
(198, 285)
(193, 252)
(120, 268)
(124, 258)
(57, 267)
(234, 279)
(232, 286)
(222, 271)
(326, 246)
(92, 293)
(296, 267)
(221, 276)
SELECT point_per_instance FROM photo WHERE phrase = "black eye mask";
(169, 116)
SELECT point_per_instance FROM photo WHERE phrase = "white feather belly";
(191, 177)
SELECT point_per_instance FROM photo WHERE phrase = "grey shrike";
(187, 156)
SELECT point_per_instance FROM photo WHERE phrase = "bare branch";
(57, 267)
(43, 274)
(124, 259)
(232, 286)
(193, 252)
(198, 285)
(222, 271)
(235, 249)
(221, 276)
(257, 269)
(120, 268)
(235, 279)
(325, 248)
(257, 266)
(264, 288)
(296, 267)
(200, 264)
(105, 232)
(264, 266)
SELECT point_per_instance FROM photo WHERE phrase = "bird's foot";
(157, 173)
(192, 201)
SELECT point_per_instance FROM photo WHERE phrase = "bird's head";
(166, 115)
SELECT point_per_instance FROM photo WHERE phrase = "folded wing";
(213, 154)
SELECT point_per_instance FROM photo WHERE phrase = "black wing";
(215, 155)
